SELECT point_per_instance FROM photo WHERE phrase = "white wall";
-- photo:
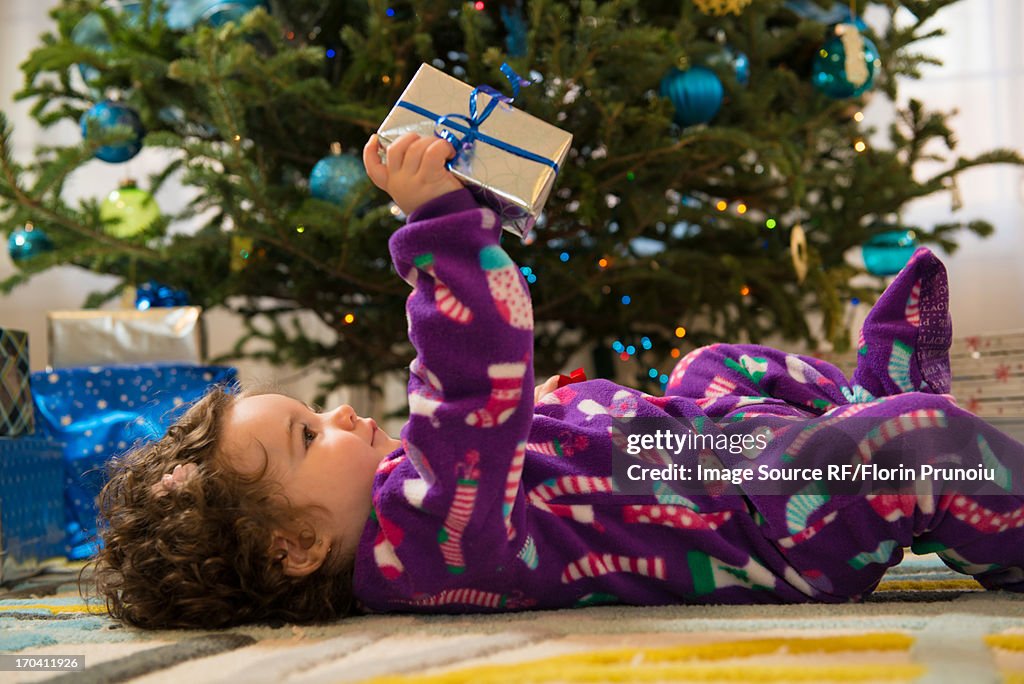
(21, 23)
(983, 77)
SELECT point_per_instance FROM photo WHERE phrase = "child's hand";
(415, 171)
(547, 387)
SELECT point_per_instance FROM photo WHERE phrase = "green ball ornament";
(128, 211)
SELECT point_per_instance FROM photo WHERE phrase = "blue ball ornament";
(738, 62)
(106, 115)
(186, 14)
(696, 94)
(838, 13)
(153, 294)
(27, 242)
(829, 72)
(887, 253)
(335, 176)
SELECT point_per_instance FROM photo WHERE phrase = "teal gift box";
(16, 414)
(31, 504)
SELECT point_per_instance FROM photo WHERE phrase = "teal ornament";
(846, 64)
(335, 176)
(27, 242)
(107, 115)
(887, 253)
(186, 14)
(696, 94)
(91, 32)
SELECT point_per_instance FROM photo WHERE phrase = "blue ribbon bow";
(446, 125)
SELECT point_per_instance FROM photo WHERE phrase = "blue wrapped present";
(31, 504)
(102, 411)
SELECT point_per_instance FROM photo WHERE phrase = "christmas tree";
(708, 137)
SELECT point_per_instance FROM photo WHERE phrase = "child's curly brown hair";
(201, 555)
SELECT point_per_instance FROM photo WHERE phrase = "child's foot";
(904, 344)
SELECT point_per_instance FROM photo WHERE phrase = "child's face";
(328, 459)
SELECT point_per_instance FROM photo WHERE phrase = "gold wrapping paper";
(515, 186)
(100, 338)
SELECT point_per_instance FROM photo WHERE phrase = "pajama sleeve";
(470, 387)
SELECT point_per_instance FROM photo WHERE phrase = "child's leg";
(715, 374)
(904, 343)
(843, 543)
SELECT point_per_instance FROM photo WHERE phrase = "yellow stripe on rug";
(966, 584)
(661, 664)
(1007, 642)
(55, 608)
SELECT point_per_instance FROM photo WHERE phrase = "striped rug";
(923, 624)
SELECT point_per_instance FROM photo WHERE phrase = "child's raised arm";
(453, 506)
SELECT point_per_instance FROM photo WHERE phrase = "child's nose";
(344, 417)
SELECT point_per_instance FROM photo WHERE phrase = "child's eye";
(307, 435)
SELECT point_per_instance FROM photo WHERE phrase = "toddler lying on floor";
(257, 506)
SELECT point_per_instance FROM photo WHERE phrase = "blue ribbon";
(444, 124)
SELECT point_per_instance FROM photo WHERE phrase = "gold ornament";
(798, 251)
(241, 252)
(721, 7)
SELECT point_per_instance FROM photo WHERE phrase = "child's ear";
(297, 561)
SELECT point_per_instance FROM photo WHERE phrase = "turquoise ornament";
(27, 242)
(107, 115)
(735, 60)
(91, 32)
(839, 73)
(335, 176)
(186, 14)
(887, 253)
(696, 94)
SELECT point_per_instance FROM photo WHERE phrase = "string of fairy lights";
(243, 248)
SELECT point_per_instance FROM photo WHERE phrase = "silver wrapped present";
(101, 338)
(507, 158)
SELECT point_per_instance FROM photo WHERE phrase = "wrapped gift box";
(99, 412)
(514, 157)
(16, 414)
(95, 337)
(32, 515)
